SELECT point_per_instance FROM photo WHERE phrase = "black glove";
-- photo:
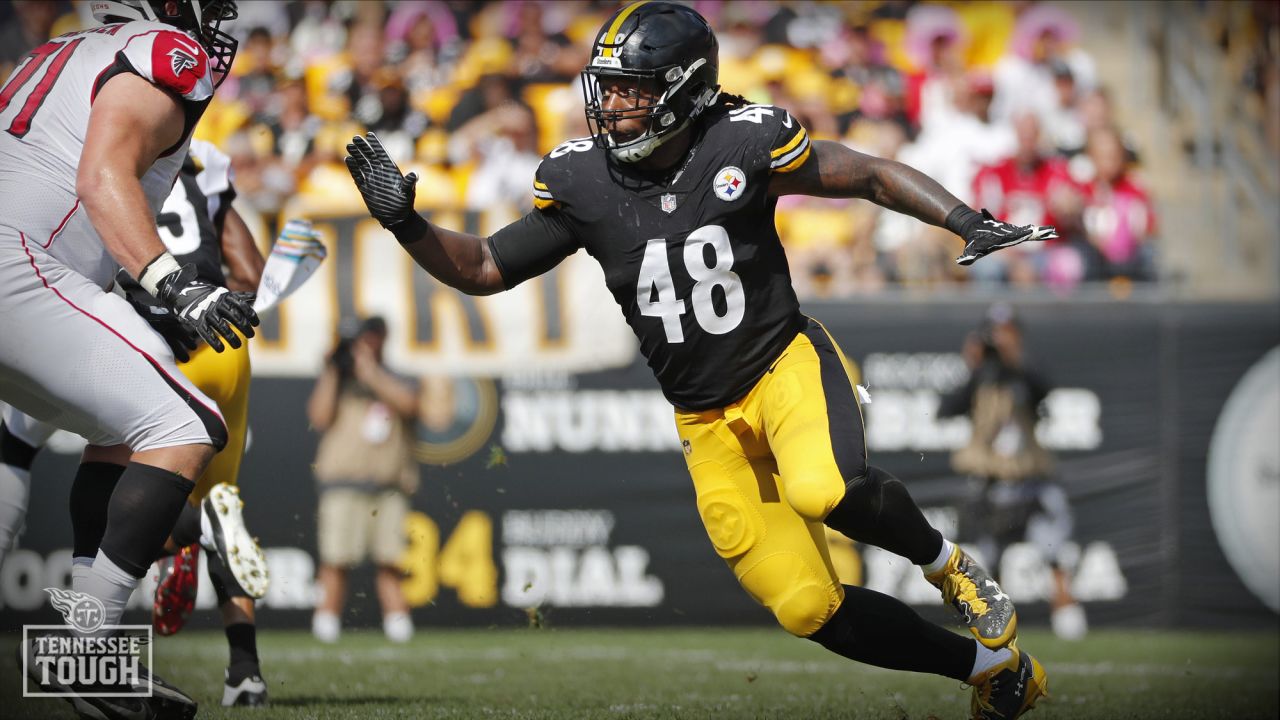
(181, 340)
(984, 234)
(388, 194)
(206, 309)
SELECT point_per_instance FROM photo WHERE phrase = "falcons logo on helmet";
(180, 61)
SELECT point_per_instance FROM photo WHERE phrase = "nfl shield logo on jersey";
(729, 184)
(668, 203)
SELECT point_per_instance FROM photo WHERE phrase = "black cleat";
(1010, 689)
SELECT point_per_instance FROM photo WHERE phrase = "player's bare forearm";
(240, 254)
(459, 260)
(131, 124)
(834, 170)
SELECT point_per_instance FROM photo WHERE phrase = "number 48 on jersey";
(656, 292)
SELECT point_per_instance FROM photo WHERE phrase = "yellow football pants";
(768, 468)
(224, 377)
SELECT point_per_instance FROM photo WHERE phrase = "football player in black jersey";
(674, 195)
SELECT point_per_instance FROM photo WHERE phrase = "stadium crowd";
(994, 99)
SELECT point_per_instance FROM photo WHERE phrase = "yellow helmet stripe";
(609, 37)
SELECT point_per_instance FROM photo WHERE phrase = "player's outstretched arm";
(834, 170)
(131, 125)
(456, 259)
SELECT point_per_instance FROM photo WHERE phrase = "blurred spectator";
(1029, 188)
(1016, 498)
(543, 52)
(424, 43)
(1043, 39)
(952, 149)
(1118, 218)
(503, 143)
(30, 26)
(366, 473)
(256, 71)
(935, 43)
(293, 128)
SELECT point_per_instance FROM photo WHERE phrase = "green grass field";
(677, 673)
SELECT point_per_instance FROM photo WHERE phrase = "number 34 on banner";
(465, 563)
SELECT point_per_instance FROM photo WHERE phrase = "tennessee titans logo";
(81, 611)
(180, 61)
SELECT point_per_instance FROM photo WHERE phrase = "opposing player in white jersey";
(94, 127)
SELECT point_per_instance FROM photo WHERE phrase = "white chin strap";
(643, 146)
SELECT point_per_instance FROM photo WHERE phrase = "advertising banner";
(553, 490)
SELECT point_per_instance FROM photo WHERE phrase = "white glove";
(293, 259)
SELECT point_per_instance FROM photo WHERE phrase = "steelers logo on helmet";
(729, 184)
(654, 68)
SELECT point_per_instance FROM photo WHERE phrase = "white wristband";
(156, 270)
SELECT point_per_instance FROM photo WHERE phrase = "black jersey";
(693, 259)
(190, 222)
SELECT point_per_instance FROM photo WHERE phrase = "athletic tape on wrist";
(156, 270)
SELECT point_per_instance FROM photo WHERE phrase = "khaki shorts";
(356, 523)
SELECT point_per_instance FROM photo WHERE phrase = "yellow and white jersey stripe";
(542, 198)
(792, 153)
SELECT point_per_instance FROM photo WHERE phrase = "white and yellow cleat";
(1010, 689)
(223, 531)
(968, 588)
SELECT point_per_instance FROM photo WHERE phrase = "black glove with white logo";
(983, 234)
(205, 309)
(181, 340)
(388, 194)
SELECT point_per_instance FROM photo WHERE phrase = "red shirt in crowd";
(1020, 195)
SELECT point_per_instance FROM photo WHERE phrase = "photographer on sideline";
(366, 473)
(1017, 498)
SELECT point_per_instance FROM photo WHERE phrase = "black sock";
(142, 512)
(187, 530)
(90, 495)
(880, 630)
(878, 510)
(242, 638)
(14, 452)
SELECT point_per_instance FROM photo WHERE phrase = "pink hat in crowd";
(927, 24)
(407, 13)
(1038, 21)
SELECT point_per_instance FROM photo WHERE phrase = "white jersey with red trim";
(44, 117)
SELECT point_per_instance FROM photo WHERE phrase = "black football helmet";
(671, 51)
(201, 18)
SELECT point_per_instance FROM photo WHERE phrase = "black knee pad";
(14, 452)
(862, 503)
(878, 510)
(143, 510)
(90, 496)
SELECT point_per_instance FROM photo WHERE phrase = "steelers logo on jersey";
(730, 184)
